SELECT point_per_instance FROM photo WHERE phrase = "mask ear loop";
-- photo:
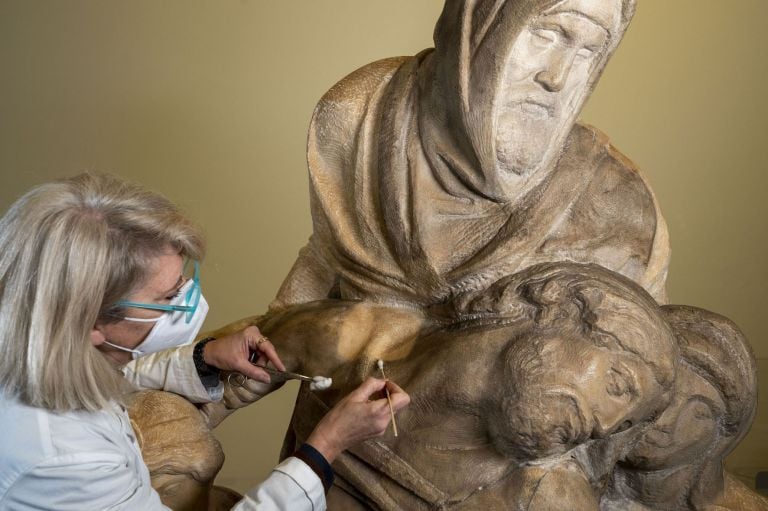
(123, 348)
(144, 320)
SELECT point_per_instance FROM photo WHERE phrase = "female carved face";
(685, 430)
(567, 390)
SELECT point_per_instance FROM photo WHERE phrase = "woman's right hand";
(356, 418)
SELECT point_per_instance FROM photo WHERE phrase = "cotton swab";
(380, 364)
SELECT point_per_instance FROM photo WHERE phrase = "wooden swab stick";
(380, 363)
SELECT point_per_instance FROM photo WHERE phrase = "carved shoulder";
(617, 208)
(618, 184)
(361, 82)
(345, 103)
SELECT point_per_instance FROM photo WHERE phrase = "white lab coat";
(91, 460)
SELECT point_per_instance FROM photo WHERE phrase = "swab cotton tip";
(320, 383)
(380, 363)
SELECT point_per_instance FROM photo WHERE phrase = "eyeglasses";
(190, 302)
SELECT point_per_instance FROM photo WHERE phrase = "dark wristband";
(204, 371)
(317, 463)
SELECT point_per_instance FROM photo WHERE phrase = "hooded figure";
(437, 174)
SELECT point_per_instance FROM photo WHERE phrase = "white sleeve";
(104, 480)
(78, 481)
(292, 485)
(174, 371)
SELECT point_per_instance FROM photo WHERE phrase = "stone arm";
(288, 330)
(655, 278)
(318, 338)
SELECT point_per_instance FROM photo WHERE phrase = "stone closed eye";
(545, 36)
(702, 411)
(563, 435)
(618, 384)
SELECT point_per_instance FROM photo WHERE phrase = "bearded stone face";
(546, 80)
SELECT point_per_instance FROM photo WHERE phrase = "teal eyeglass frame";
(192, 299)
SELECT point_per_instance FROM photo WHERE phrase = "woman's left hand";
(233, 352)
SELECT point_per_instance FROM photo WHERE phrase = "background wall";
(209, 103)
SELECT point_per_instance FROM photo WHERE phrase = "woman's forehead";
(165, 271)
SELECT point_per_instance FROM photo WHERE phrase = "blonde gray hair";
(69, 251)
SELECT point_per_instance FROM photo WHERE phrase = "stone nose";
(606, 421)
(555, 74)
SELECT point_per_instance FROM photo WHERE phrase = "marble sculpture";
(508, 264)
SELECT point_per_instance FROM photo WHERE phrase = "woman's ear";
(97, 336)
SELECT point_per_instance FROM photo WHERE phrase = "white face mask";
(171, 328)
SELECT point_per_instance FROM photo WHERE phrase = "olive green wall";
(209, 103)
